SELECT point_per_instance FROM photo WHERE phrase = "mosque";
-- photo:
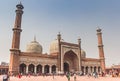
(63, 56)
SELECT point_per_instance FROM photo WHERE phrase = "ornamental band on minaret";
(101, 50)
(15, 51)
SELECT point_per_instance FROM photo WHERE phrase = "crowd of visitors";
(112, 73)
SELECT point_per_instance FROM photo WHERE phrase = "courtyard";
(61, 78)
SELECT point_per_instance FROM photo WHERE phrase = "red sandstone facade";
(63, 56)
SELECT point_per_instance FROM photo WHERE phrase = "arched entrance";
(86, 69)
(99, 69)
(95, 69)
(46, 69)
(66, 67)
(71, 62)
(53, 69)
(31, 68)
(39, 68)
(22, 68)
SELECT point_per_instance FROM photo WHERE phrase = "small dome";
(83, 54)
(34, 47)
(54, 46)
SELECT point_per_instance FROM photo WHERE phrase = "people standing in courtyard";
(19, 75)
(8, 76)
(74, 76)
(5, 77)
(95, 74)
(29, 75)
(53, 74)
(68, 76)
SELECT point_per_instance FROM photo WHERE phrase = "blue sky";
(73, 18)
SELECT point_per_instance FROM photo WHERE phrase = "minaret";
(59, 51)
(79, 52)
(15, 51)
(101, 50)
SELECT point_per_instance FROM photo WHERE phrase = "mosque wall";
(37, 60)
(90, 63)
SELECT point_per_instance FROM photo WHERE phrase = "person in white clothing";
(5, 77)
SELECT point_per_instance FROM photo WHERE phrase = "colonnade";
(31, 68)
(91, 69)
(3, 70)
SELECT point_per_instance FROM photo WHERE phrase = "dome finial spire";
(34, 38)
(20, 6)
(59, 32)
(59, 36)
(20, 2)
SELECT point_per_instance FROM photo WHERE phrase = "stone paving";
(61, 78)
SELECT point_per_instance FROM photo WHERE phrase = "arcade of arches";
(70, 64)
(23, 68)
(3, 69)
(31, 68)
(90, 69)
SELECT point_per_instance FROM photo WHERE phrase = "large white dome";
(54, 46)
(34, 47)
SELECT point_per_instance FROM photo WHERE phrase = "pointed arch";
(22, 68)
(70, 60)
(46, 69)
(31, 68)
(53, 69)
(39, 68)
(95, 69)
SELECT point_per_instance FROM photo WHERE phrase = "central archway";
(71, 62)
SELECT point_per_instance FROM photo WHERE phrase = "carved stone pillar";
(84, 69)
(26, 68)
(56, 70)
(35, 69)
(97, 69)
(50, 69)
(43, 69)
(92, 69)
(89, 70)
